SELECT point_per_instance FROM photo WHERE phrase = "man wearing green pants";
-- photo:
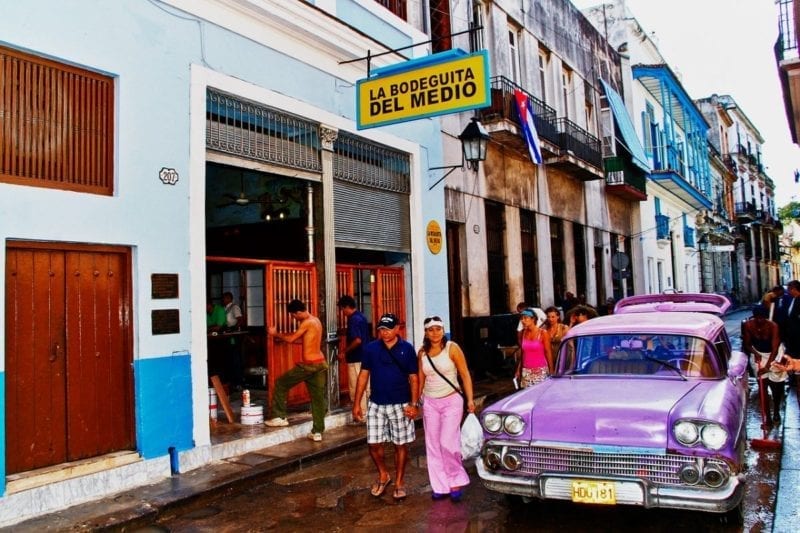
(313, 370)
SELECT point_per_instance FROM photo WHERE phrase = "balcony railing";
(730, 162)
(623, 179)
(688, 237)
(503, 106)
(786, 47)
(745, 210)
(580, 142)
(662, 227)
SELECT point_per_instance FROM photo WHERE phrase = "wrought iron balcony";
(730, 163)
(564, 144)
(578, 141)
(745, 211)
(501, 119)
(624, 179)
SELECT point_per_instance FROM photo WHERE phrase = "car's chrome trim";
(718, 500)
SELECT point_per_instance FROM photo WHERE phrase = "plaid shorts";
(388, 423)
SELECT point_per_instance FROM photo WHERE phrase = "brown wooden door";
(35, 364)
(284, 282)
(69, 384)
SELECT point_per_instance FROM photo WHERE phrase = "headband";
(434, 323)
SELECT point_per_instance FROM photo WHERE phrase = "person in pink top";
(441, 364)
(533, 365)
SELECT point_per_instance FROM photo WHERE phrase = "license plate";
(586, 491)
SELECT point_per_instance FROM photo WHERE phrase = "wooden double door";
(68, 353)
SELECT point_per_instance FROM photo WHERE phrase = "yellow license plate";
(585, 491)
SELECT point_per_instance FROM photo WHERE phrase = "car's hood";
(605, 411)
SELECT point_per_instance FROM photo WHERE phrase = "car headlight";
(713, 436)
(686, 432)
(513, 424)
(492, 422)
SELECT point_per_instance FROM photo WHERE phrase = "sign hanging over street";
(448, 82)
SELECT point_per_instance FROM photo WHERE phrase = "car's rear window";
(638, 355)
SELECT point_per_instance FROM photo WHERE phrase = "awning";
(626, 127)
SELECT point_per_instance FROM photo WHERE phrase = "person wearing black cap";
(390, 364)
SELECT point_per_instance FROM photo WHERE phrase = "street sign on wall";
(448, 82)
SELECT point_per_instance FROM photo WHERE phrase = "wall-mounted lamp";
(474, 140)
(702, 243)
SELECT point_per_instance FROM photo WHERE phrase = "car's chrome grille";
(659, 469)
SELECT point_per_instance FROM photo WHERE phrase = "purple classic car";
(645, 408)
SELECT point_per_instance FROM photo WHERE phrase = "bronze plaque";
(165, 321)
(164, 286)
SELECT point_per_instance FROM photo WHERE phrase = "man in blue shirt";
(356, 339)
(391, 365)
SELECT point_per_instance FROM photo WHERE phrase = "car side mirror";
(737, 365)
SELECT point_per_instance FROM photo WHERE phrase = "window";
(513, 54)
(398, 7)
(440, 25)
(544, 60)
(56, 125)
(527, 223)
(648, 123)
(566, 86)
(476, 37)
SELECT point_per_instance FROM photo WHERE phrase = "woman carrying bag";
(441, 363)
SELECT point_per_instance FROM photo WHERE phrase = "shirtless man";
(313, 370)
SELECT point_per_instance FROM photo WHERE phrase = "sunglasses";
(432, 319)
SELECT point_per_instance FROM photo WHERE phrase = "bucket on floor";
(252, 415)
(212, 404)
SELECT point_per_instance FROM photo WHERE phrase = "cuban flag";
(528, 127)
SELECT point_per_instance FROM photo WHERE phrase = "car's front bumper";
(557, 486)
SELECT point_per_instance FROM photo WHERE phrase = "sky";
(726, 47)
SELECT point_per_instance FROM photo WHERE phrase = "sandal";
(399, 493)
(380, 487)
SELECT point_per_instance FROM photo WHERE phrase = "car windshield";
(679, 356)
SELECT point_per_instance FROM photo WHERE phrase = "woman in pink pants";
(441, 364)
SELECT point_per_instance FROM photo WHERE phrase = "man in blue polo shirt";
(357, 338)
(390, 364)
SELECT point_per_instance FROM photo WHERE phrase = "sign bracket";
(370, 55)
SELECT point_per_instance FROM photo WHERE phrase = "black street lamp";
(474, 140)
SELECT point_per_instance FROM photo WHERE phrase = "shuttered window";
(56, 125)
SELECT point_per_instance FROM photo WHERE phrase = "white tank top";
(435, 386)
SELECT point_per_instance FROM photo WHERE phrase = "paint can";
(252, 415)
(212, 404)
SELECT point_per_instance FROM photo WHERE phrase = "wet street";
(333, 495)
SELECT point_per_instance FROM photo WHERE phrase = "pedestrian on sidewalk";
(534, 364)
(357, 337)
(441, 364)
(313, 370)
(390, 365)
(761, 341)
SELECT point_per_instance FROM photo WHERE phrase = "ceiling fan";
(241, 200)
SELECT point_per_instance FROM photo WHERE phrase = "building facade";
(162, 153)
(522, 231)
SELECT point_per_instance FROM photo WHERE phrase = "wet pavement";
(302, 485)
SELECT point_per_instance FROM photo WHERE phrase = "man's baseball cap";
(387, 321)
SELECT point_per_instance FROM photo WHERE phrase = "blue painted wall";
(163, 404)
(355, 15)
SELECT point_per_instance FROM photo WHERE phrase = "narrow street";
(333, 495)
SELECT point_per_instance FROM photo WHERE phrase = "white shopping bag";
(471, 437)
